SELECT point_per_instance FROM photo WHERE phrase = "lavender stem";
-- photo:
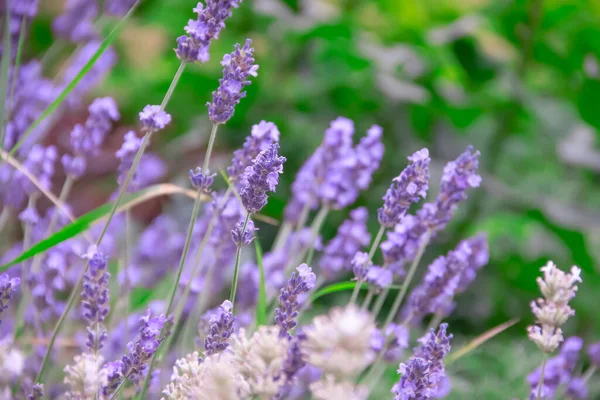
(236, 271)
(541, 381)
(316, 227)
(371, 254)
(211, 143)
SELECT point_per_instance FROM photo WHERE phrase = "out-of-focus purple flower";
(402, 244)
(398, 341)
(76, 23)
(126, 155)
(424, 372)
(361, 263)
(577, 389)
(351, 237)
(237, 68)
(221, 328)
(201, 181)
(440, 282)
(594, 354)
(93, 77)
(293, 363)
(8, 287)
(118, 8)
(379, 277)
(406, 189)
(37, 392)
(559, 369)
(208, 25)
(301, 281)
(133, 365)
(21, 11)
(154, 118)
(29, 216)
(87, 139)
(242, 237)
(262, 136)
(337, 171)
(261, 177)
(95, 298)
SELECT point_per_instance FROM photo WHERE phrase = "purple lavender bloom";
(221, 328)
(202, 181)
(379, 277)
(594, 354)
(261, 177)
(93, 77)
(237, 68)
(87, 139)
(361, 263)
(398, 342)
(300, 282)
(406, 189)
(369, 153)
(126, 155)
(133, 365)
(242, 237)
(577, 389)
(76, 24)
(292, 364)
(154, 118)
(479, 257)
(402, 244)
(459, 175)
(262, 136)
(118, 8)
(211, 19)
(8, 287)
(423, 374)
(22, 10)
(95, 298)
(351, 237)
(37, 392)
(29, 216)
(559, 369)
(440, 282)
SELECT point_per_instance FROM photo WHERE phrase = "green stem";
(114, 395)
(379, 303)
(122, 190)
(172, 86)
(355, 292)
(211, 143)
(367, 301)
(4, 217)
(588, 374)
(406, 284)
(541, 381)
(236, 271)
(372, 251)
(316, 227)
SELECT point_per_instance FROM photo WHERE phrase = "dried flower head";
(328, 389)
(558, 288)
(85, 377)
(340, 342)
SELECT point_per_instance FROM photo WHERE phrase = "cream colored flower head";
(557, 286)
(259, 360)
(328, 389)
(85, 377)
(12, 362)
(340, 342)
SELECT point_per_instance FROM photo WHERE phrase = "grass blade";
(86, 68)
(86, 221)
(261, 305)
(479, 340)
(343, 287)
(4, 66)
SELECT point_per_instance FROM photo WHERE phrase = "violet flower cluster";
(237, 68)
(221, 328)
(95, 298)
(86, 139)
(19, 12)
(423, 374)
(337, 171)
(261, 177)
(209, 23)
(301, 282)
(242, 236)
(76, 24)
(8, 287)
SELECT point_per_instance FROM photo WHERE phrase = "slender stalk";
(172, 86)
(367, 301)
(316, 227)
(588, 374)
(120, 195)
(541, 381)
(371, 254)
(355, 292)
(282, 234)
(211, 143)
(118, 389)
(435, 321)
(126, 260)
(379, 303)
(236, 271)
(409, 276)
(4, 217)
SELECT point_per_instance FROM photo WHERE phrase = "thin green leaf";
(343, 287)
(261, 306)
(86, 68)
(4, 66)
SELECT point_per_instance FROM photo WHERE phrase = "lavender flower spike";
(202, 181)
(262, 136)
(221, 328)
(211, 19)
(300, 282)
(237, 68)
(154, 118)
(8, 287)
(95, 298)
(406, 189)
(261, 177)
(126, 154)
(243, 237)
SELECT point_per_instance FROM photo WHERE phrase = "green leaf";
(4, 66)
(343, 287)
(73, 229)
(261, 306)
(86, 68)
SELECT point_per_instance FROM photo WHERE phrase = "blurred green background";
(520, 80)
